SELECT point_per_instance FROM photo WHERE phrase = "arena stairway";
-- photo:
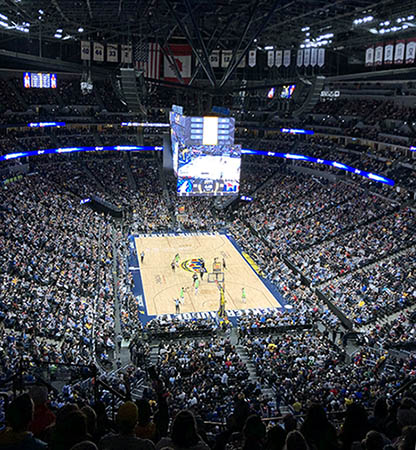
(266, 390)
(313, 97)
(130, 177)
(137, 390)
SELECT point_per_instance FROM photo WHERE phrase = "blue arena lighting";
(145, 124)
(325, 162)
(51, 151)
(45, 124)
(413, 148)
(244, 151)
(296, 131)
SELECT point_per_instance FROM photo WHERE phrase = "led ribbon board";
(51, 151)
(135, 148)
(325, 162)
(45, 124)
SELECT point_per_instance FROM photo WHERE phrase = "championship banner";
(98, 52)
(85, 50)
(270, 58)
(182, 54)
(307, 57)
(112, 53)
(388, 53)
(299, 58)
(410, 51)
(126, 54)
(286, 58)
(214, 59)
(369, 57)
(314, 57)
(278, 61)
(226, 56)
(321, 57)
(378, 55)
(252, 58)
(399, 52)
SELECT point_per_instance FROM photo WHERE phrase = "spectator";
(16, 435)
(126, 421)
(184, 434)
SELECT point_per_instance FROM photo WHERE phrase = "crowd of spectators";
(378, 290)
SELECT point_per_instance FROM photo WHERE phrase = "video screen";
(209, 170)
(39, 80)
(206, 161)
(287, 91)
(177, 134)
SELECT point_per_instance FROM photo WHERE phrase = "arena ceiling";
(209, 23)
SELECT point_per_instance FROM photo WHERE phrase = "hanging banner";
(226, 56)
(85, 50)
(112, 53)
(126, 54)
(270, 58)
(321, 57)
(278, 61)
(214, 59)
(242, 63)
(399, 52)
(307, 57)
(388, 53)
(98, 52)
(369, 57)
(314, 57)
(299, 58)
(181, 60)
(410, 51)
(378, 55)
(252, 58)
(286, 58)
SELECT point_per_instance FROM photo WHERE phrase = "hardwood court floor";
(162, 285)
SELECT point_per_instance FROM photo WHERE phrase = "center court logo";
(192, 265)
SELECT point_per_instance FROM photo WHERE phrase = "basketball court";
(157, 284)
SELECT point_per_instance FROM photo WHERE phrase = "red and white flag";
(182, 54)
(150, 63)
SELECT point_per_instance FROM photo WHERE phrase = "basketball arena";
(208, 225)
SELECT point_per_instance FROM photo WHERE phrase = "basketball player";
(173, 265)
(177, 259)
(182, 296)
(223, 263)
(194, 278)
(196, 285)
(142, 256)
(201, 272)
(177, 306)
(243, 295)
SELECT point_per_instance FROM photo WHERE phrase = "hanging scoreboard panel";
(206, 160)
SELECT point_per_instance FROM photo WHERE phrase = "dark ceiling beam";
(240, 41)
(56, 4)
(210, 46)
(188, 37)
(89, 8)
(249, 43)
(200, 40)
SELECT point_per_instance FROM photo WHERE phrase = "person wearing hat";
(126, 439)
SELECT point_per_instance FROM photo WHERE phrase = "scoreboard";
(39, 80)
(205, 158)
